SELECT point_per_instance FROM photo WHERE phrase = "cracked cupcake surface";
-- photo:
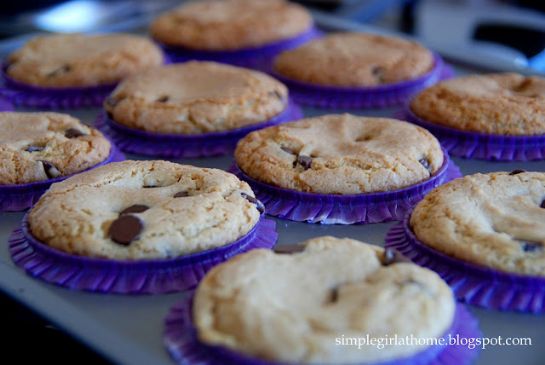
(293, 307)
(222, 25)
(493, 220)
(505, 104)
(41, 146)
(144, 209)
(340, 154)
(78, 60)
(196, 98)
(355, 60)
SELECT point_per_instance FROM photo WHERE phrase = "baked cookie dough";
(79, 60)
(505, 104)
(196, 98)
(41, 146)
(224, 25)
(144, 210)
(355, 60)
(340, 154)
(294, 308)
(493, 220)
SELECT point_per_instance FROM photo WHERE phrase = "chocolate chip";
(393, 256)
(542, 204)
(517, 171)
(150, 186)
(259, 205)
(529, 246)
(287, 150)
(181, 194)
(73, 133)
(304, 161)
(334, 295)
(34, 148)
(426, 163)
(61, 70)
(136, 208)
(288, 249)
(125, 229)
(50, 170)
(163, 99)
(378, 72)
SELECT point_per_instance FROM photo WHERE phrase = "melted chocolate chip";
(34, 148)
(542, 204)
(181, 194)
(125, 229)
(304, 161)
(59, 71)
(50, 170)
(393, 256)
(529, 246)
(426, 163)
(163, 99)
(378, 72)
(288, 249)
(150, 186)
(259, 205)
(136, 208)
(73, 133)
(517, 171)
(334, 295)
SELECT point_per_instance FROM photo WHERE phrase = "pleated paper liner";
(185, 146)
(26, 95)
(18, 197)
(346, 209)
(483, 146)
(383, 96)
(181, 341)
(6, 105)
(471, 283)
(150, 276)
(259, 58)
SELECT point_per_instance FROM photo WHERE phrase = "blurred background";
(502, 32)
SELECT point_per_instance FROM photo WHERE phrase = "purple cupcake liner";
(154, 276)
(483, 146)
(185, 146)
(259, 58)
(18, 197)
(345, 209)
(5, 105)
(471, 283)
(364, 97)
(180, 339)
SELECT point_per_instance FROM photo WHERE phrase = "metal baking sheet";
(128, 329)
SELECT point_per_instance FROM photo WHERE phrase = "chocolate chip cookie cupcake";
(484, 234)
(333, 291)
(357, 70)
(38, 149)
(342, 168)
(140, 227)
(76, 70)
(193, 109)
(247, 33)
(491, 117)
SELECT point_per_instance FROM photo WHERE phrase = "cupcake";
(193, 109)
(38, 149)
(139, 227)
(70, 71)
(307, 307)
(342, 168)
(484, 234)
(491, 117)
(246, 33)
(357, 70)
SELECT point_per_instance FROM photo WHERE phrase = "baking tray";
(128, 329)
